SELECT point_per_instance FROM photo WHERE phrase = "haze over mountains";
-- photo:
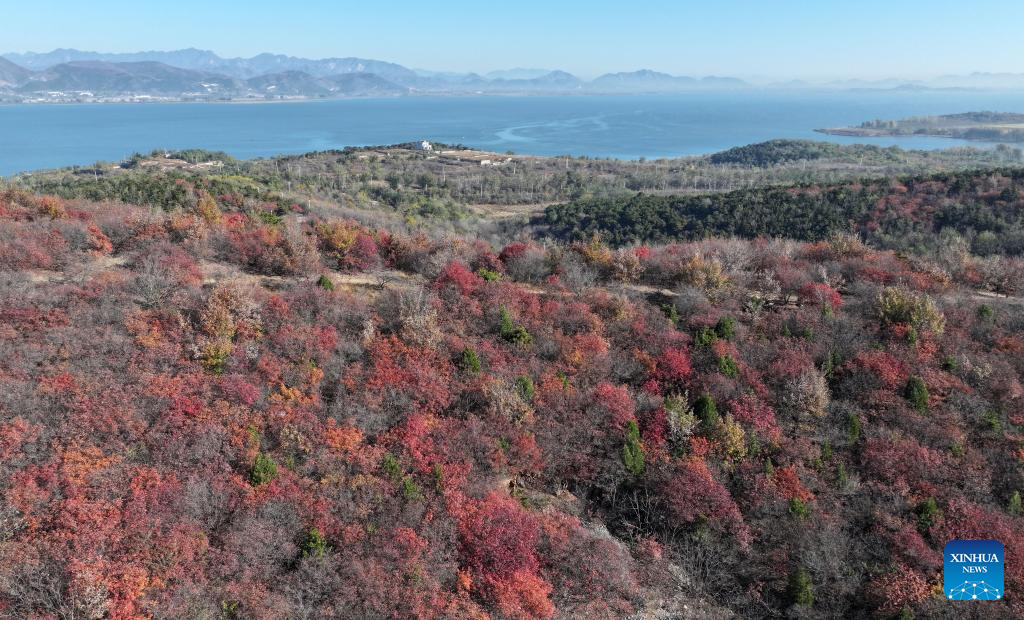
(201, 75)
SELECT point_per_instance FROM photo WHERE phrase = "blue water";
(629, 127)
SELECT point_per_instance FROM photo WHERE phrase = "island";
(983, 126)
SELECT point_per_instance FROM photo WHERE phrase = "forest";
(982, 209)
(221, 400)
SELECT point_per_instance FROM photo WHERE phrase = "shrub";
(206, 208)
(362, 254)
(680, 418)
(898, 589)
(698, 272)
(410, 490)
(214, 356)
(927, 514)
(807, 394)
(632, 451)
(985, 312)
(671, 313)
(391, 467)
(470, 361)
(693, 495)
(488, 275)
(706, 411)
(525, 387)
(727, 366)
(756, 413)
(896, 305)
(912, 336)
(626, 265)
(725, 328)
(272, 250)
(513, 332)
(841, 476)
(458, 277)
(325, 283)
(917, 393)
(524, 263)
(732, 438)
(705, 337)
(881, 366)
(499, 539)
(315, 545)
(264, 469)
(801, 589)
(799, 508)
(822, 295)
(1014, 507)
(674, 366)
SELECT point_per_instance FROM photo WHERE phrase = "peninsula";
(982, 126)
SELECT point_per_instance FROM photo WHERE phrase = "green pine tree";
(801, 589)
(632, 451)
(264, 469)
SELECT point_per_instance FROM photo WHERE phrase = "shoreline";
(494, 95)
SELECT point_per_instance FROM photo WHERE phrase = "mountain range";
(201, 74)
(193, 74)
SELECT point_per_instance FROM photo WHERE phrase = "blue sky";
(748, 38)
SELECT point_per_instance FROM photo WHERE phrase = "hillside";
(496, 195)
(229, 407)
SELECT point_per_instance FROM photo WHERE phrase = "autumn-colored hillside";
(224, 412)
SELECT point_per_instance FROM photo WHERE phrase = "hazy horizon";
(754, 78)
(754, 41)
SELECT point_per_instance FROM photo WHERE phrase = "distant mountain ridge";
(11, 74)
(204, 73)
(126, 77)
(646, 80)
(195, 74)
(205, 60)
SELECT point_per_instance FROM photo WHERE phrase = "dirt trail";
(215, 272)
(989, 296)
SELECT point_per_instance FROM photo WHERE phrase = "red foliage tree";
(674, 367)
(458, 277)
(691, 493)
(902, 587)
(750, 410)
(821, 295)
(616, 403)
(498, 541)
(887, 369)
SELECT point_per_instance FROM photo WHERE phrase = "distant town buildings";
(424, 146)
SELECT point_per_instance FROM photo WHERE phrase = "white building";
(424, 146)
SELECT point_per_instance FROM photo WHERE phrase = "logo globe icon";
(974, 591)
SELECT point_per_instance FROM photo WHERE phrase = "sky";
(776, 39)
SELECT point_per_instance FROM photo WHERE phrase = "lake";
(627, 127)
